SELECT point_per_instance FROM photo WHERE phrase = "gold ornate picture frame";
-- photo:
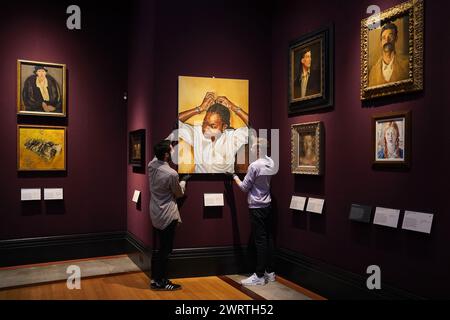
(41, 88)
(392, 47)
(307, 148)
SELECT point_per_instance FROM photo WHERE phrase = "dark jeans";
(262, 233)
(166, 236)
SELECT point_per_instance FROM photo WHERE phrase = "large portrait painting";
(391, 139)
(41, 88)
(392, 51)
(311, 72)
(213, 125)
(41, 148)
(307, 148)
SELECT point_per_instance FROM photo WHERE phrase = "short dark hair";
(389, 26)
(222, 111)
(304, 52)
(161, 148)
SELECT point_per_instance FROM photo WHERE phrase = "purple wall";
(227, 39)
(140, 112)
(94, 183)
(415, 262)
(200, 38)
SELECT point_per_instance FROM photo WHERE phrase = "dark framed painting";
(392, 51)
(311, 80)
(307, 148)
(41, 88)
(391, 140)
(136, 147)
(41, 148)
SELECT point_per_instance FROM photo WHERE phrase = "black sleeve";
(31, 99)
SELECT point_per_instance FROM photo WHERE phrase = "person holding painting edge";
(165, 188)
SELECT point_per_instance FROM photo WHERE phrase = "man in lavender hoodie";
(257, 184)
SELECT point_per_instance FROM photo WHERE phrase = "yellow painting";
(41, 148)
(213, 118)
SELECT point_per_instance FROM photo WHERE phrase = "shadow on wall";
(30, 208)
(231, 201)
(55, 207)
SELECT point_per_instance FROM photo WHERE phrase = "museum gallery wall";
(350, 173)
(244, 35)
(74, 146)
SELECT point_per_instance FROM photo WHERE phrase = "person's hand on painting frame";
(230, 174)
(185, 177)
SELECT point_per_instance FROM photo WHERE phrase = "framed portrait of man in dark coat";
(311, 72)
(41, 88)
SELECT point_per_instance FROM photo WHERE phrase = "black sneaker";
(164, 286)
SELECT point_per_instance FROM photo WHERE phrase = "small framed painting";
(392, 139)
(137, 148)
(307, 148)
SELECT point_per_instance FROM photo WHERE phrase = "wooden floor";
(132, 286)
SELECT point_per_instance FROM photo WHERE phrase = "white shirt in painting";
(217, 156)
(388, 69)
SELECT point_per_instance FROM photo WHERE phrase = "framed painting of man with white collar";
(41, 88)
(392, 51)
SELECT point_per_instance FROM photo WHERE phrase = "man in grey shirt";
(257, 184)
(165, 188)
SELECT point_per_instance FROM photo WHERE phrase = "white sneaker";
(270, 277)
(254, 280)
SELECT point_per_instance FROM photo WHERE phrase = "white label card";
(30, 194)
(386, 217)
(315, 205)
(53, 194)
(214, 200)
(298, 203)
(417, 221)
(136, 196)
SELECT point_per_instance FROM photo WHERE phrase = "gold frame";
(41, 127)
(19, 93)
(415, 9)
(317, 129)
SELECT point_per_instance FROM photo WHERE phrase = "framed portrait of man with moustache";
(392, 51)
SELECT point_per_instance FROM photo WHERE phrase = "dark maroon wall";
(224, 39)
(140, 111)
(412, 261)
(94, 183)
